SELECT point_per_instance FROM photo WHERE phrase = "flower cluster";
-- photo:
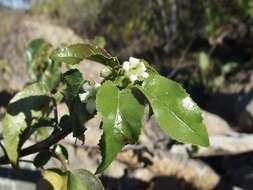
(89, 96)
(135, 69)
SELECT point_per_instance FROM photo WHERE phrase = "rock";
(31, 28)
(152, 136)
(236, 143)
(91, 70)
(25, 31)
(215, 125)
(116, 169)
(163, 163)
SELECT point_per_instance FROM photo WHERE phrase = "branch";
(51, 140)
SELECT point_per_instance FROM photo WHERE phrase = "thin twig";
(211, 50)
(27, 161)
(182, 58)
(2, 146)
(55, 110)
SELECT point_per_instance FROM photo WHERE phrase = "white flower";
(97, 85)
(84, 96)
(126, 65)
(135, 69)
(88, 92)
(133, 77)
(134, 61)
(88, 96)
(144, 74)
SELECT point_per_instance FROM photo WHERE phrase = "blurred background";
(207, 46)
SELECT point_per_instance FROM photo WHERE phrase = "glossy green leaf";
(61, 152)
(122, 117)
(75, 53)
(42, 158)
(22, 111)
(83, 180)
(78, 114)
(174, 110)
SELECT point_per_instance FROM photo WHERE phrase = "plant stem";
(51, 140)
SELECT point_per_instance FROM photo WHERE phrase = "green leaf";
(27, 105)
(150, 69)
(75, 53)
(51, 75)
(39, 66)
(42, 158)
(99, 41)
(42, 126)
(34, 47)
(53, 179)
(83, 180)
(37, 53)
(61, 152)
(175, 111)
(78, 114)
(74, 81)
(122, 117)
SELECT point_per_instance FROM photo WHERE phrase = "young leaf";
(122, 117)
(36, 56)
(39, 66)
(51, 75)
(175, 111)
(75, 53)
(26, 105)
(61, 152)
(78, 115)
(83, 180)
(74, 81)
(34, 47)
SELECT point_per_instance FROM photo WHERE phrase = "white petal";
(142, 67)
(144, 74)
(84, 96)
(133, 62)
(126, 65)
(133, 77)
(87, 86)
(97, 85)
